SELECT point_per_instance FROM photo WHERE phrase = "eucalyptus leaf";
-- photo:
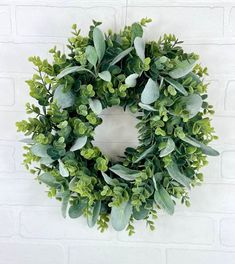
(77, 209)
(107, 179)
(63, 171)
(91, 55)
(179, 87)
(91, 219)
(193, 104)
(120, 215)
(64, 203)
(147, 107)
(170, 146)
(175, 174)
(79, 143)
(141, 214)
(139, 45)
(63, 99)
(145, 153)
(205, 149)
(40, 150)
(150, 93)
(124, 172)
(99, 43)
(163, 199)
(131, 81)
(120, 56)
(46, 160)
(182, 69)
(48, 179)
(95, 106)
(105, 75)
(73, 69)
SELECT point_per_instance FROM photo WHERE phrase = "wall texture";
(32, 230)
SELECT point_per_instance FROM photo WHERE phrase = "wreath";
(159, 82)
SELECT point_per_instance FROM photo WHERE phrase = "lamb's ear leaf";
(99, 43)
(139, 45)
(79, 143)
(124, 172)
(163, 199)
(120, 215)
(141, 214)
(193, 104)
(120, 56)
(175, 174)
(105, 75)
(107, 179)
(178, 86)
(73, 69)
(63, 99)
(91, 55)
(76, 210)
(183, 68)
(65, 202)
(145, 153)
(150, 93)
(95, 106)
(63, 171)
(170, 146)
(40, 150)
(130, 81)
(48, 179)
(92, 218)
(147, 107)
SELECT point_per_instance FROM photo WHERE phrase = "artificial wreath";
(157, 80)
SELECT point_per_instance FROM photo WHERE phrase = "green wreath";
(158, 81)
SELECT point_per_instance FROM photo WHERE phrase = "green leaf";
(139, 45)
(48, 179)
(95, 106)
(163, 199)
(120, 215)
(46, 160)
(136, 31)
(193, 104)
(179, 87)
(63, 171)
(63, 99)
(91, 55)
(65, 202)
(147, 107)
(150, 93)
(91, 219)
(182, 69)
(79, 143)
(76, 210)
(107, 179)
(141, 214)
(175, 174)
(130, 81)
(105, 75)
(205, 149)
(124, 172)
(99, 43)
(170, 146)
(40, 150)
(73, 69)
(120, 56)
(145, 153)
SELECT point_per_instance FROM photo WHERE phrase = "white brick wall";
(32, 230)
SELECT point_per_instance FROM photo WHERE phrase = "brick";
(7, 228)
(215, 94)
(196, 22)
(49, 224)
(177, 256)
(230, 96)
(7, 163)
(28, 253)
(224, 127)
(24, 192)
(7, 89)
(176, 229)
(5, 20)
(99, 254)
(227, 231)
(46, 21)
(216, 198)
(227, 161)
(14, 56)
(232, 21)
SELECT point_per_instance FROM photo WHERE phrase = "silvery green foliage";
(158, 81)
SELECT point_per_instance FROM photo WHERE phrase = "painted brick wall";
(32, 230)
